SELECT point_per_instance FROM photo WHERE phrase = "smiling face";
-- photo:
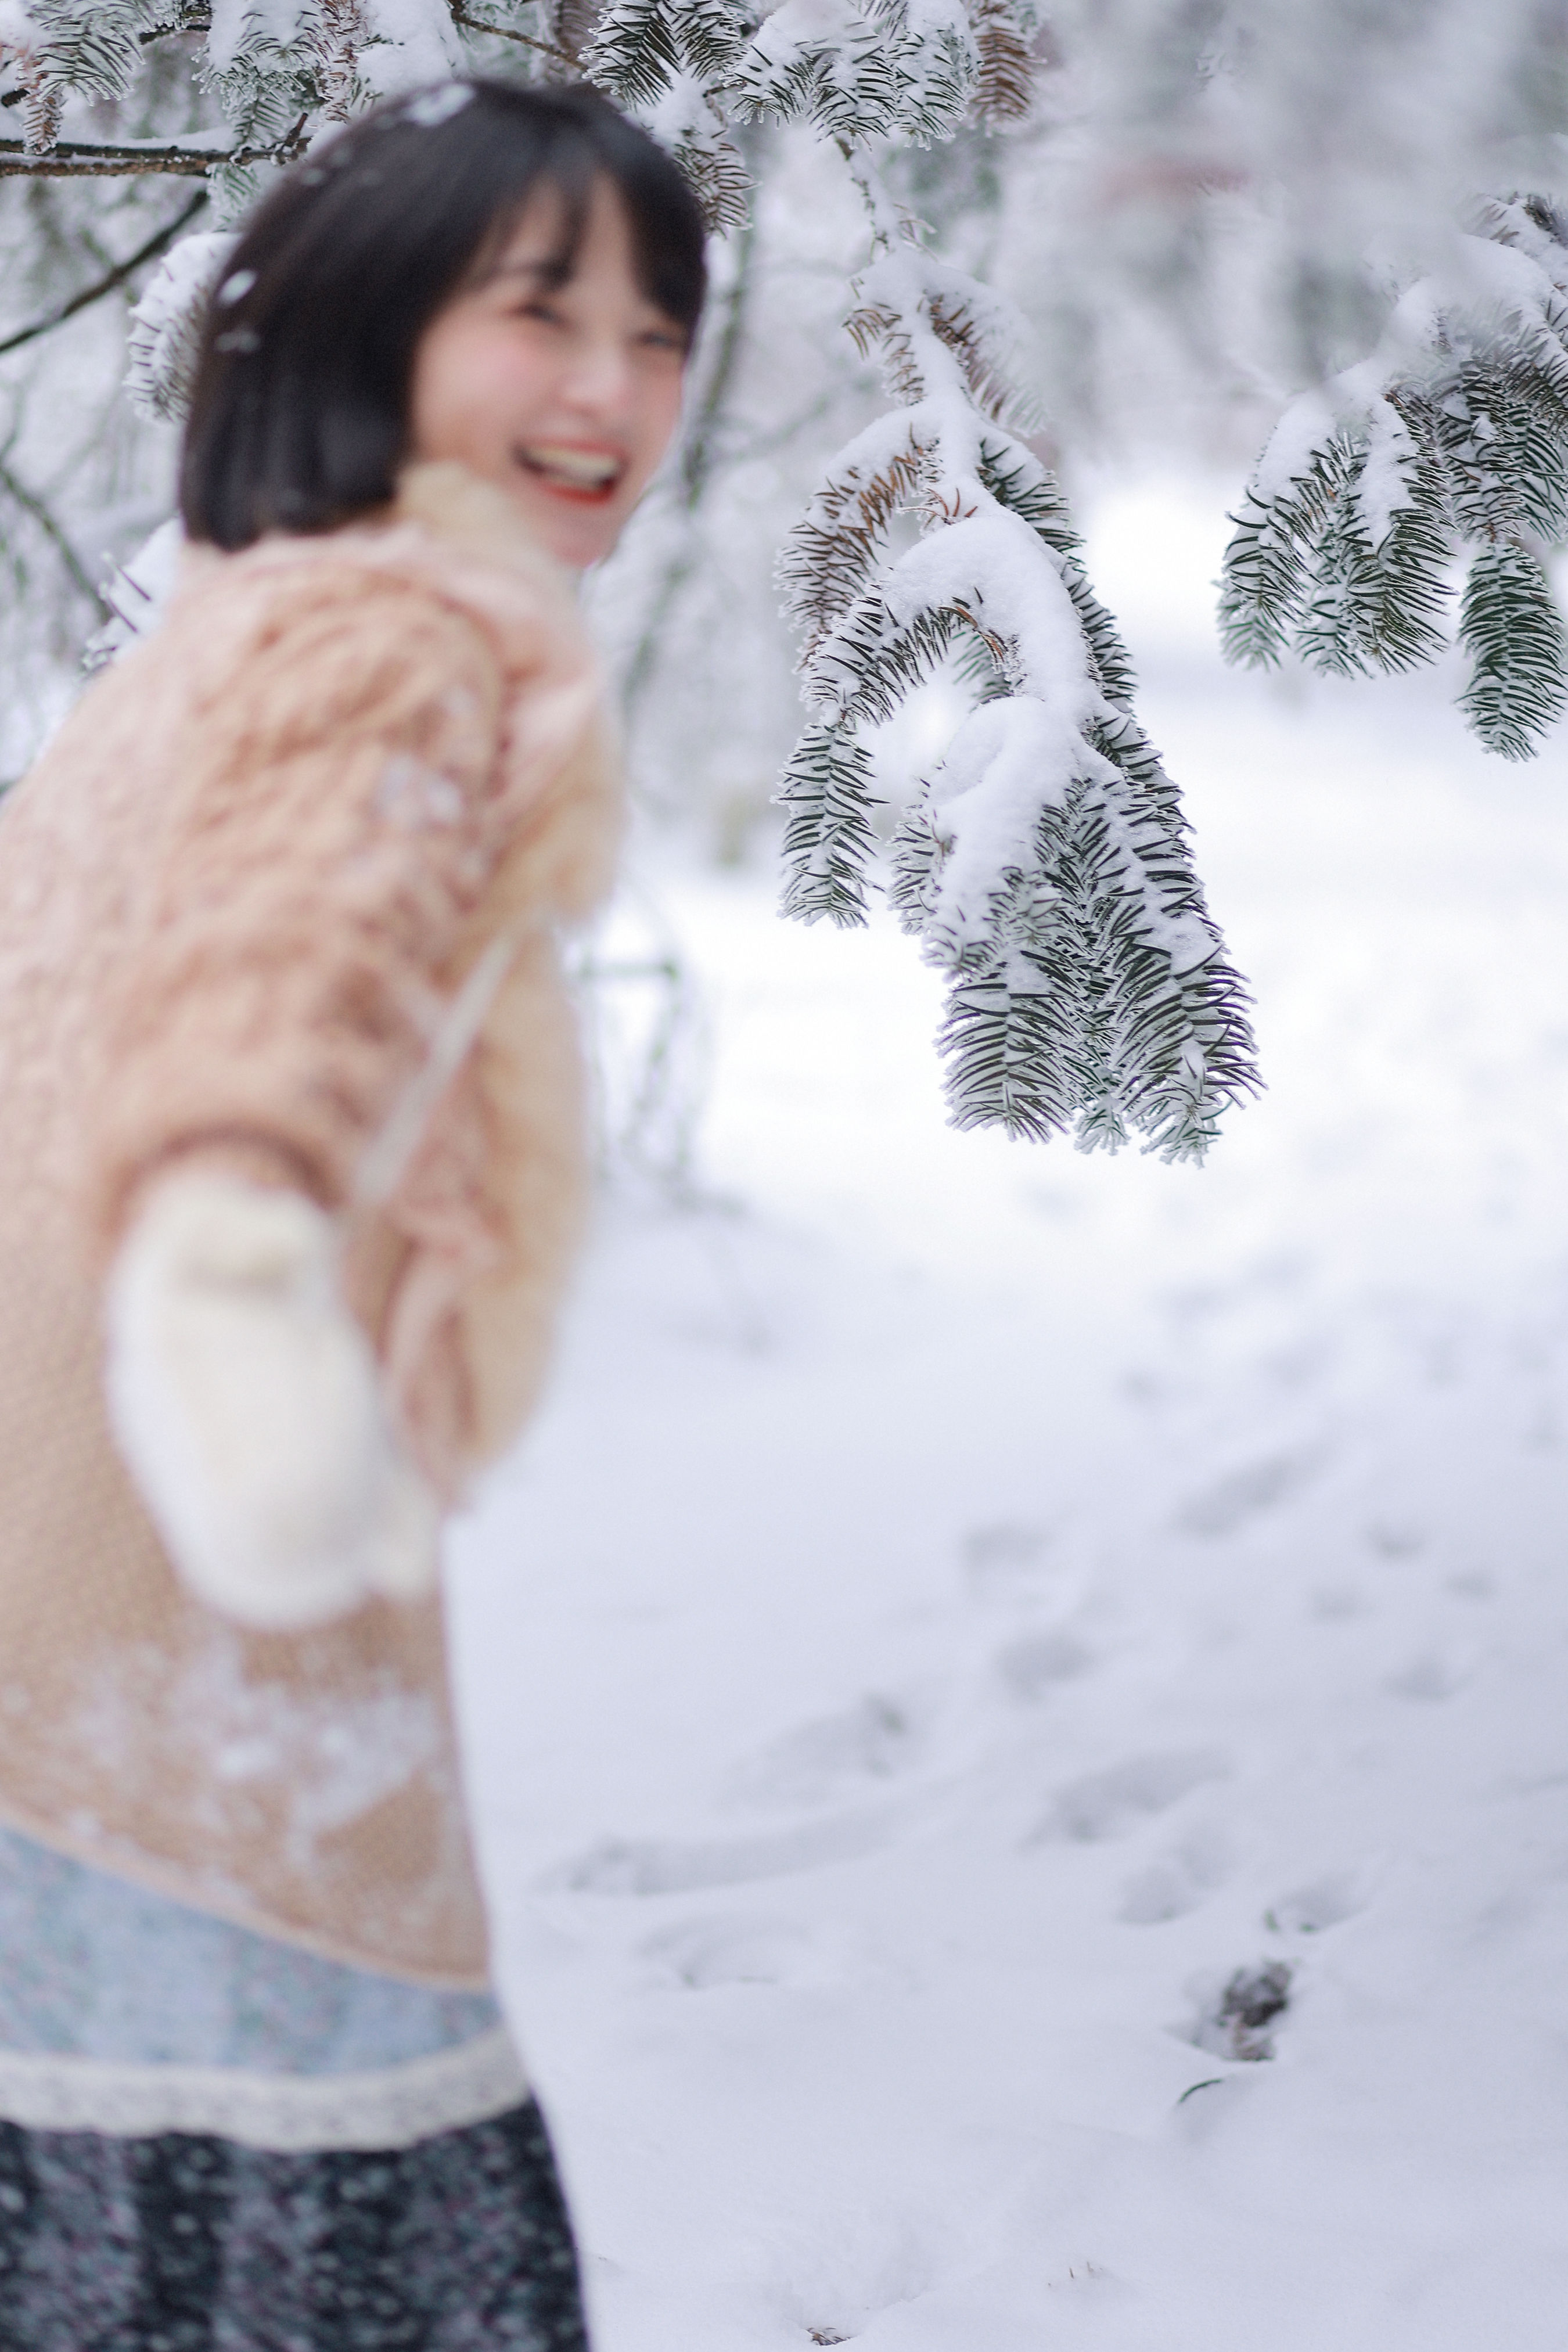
(564, 393)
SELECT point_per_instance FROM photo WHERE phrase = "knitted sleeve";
(332, 806)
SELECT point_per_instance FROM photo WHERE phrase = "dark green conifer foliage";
(1469, 435)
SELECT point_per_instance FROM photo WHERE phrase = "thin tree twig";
(505, 33)
(106, 285)
(77, 160)
(696, 464)
(30, 503)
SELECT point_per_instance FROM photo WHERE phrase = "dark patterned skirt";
(188, 2242)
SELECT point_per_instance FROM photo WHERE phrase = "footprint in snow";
(1322, 1902)
(1178, 1883)
(1247, 1493)
(1434, 1673)
(1396, 1539)
(1029, 1669)
(1106, 1804)
(701, 1954)
(877, 1739)
(1236, 2024)
(1007, 1562)
(677, 1866)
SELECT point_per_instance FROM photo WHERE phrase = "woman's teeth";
(584, 470)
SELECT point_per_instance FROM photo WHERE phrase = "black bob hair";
(299, 416)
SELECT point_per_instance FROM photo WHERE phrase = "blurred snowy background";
(977, 1624)
(1015, 1701)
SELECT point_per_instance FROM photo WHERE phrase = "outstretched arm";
(332, 816)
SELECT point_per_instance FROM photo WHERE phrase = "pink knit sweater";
(239, 898)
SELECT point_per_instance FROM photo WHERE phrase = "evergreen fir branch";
(1026, 1037)
(1454, 432)
(1005, 81)
(187, 20)
(263, 93)
(684, 122)
(938, 65)
(862, 671)
(1502, 426)
(1018, 480)
(878, 330)
(1096, 997)
(1183, 1050)
(1269, 565)
(1088, 990)
(957, 326)
(635, 54)
(861, 74)
(1009, 1040)
(711, 36)
(1190, 1044)
(1380, 607)
(915, 866)
(823, 62)
(1110, 661)
(832, 552)
(1152, 1034)
(825, 789)
(670, 60)
(1512, 628)
(96, 51)
(936, 330)
(720, 179)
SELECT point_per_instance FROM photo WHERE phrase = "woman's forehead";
(558, 229)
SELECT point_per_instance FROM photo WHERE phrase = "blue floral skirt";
(188, 2242)
(213, 2142)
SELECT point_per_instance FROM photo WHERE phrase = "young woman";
(290, 1173)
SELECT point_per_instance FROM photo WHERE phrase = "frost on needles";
(1447, 447)
(1044, 862)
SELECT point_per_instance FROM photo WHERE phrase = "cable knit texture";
(239, 898)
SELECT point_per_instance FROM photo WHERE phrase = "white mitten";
(246, 1401)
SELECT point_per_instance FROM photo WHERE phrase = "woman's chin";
(576, 531)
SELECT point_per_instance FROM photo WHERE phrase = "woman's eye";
(545, 311)
(664, 339)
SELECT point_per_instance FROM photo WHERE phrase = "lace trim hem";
(392, 2107)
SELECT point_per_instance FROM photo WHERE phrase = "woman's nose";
(599, 378)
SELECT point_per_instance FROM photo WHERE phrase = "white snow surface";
(962, 1602)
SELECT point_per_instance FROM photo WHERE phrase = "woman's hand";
(247, 1402)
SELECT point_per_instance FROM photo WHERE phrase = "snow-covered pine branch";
(1448, 447)
(854, 70)
(1044, 863)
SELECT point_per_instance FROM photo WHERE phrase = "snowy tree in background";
(1044, 865)
(1207, 215)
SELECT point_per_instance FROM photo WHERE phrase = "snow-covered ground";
(965, 1603)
